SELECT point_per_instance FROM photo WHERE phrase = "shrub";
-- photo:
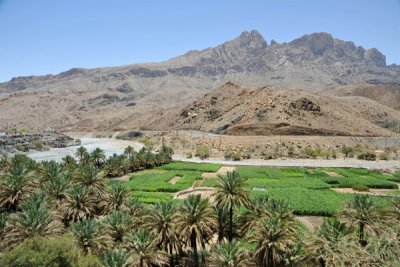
(237, 156)
(228, 153)
(348, 151)
(384, 156)
(367, 155)
(290, 151)
(203, 151)
(189, 155)
(38, 145)
(58, 251)
(312, 153)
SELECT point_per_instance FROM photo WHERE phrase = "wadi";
(252, 152)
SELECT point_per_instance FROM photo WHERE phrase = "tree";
(98, 156)
(347, 151)
(69, 162)
(195, 222)
(35, 220)
(16, 187)
(92, 179)
(230, 254)
(118, 224)
(81, 152)
(160, 222)
(231, 193)
(272, 236)
(78, 204)
(57, 188)
(361, 213)
(129, 152)
(115, 166)
(145, 252)
(115, 258)
(118, 196)
(89, 236)
(50, 170)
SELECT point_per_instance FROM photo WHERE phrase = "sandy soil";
(311, 222)
(174, 179)
(333, 174)
(374, 192)
(205, 192)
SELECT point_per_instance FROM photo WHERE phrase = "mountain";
(276, 110)
(128, 96)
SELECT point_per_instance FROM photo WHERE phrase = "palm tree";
(69, 162)
(118, 195)
(57, 188)
(35, 220)
(81, 152)
(231, 193)
(89, 236)
(145, 252)
(115, 166)
(4, 164)
(160, 222)
(16, 187)
(254, 212)
(115, 258)
(50, 170)
(230, 254)
(272, 235)
(361, 213)
(332, 245)
(92, 179)
(118, 224)
(98, 156)
(136, 210)
(195, 222)
(78, 204)
(222, 216)
(384, 251)
(129, 151)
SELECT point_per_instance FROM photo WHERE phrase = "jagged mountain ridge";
(122, 96)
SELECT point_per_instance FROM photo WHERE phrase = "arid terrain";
(344, 90)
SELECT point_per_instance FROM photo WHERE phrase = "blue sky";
(49, 36)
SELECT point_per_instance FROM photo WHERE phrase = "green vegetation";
(203, 151)
(70, 214)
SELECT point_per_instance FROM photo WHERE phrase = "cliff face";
(108, 98)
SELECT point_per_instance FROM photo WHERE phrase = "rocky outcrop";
(25, 142)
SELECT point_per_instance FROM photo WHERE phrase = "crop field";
(306, 190)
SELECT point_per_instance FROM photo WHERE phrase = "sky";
(50, 36)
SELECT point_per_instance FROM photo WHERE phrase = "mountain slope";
(129, 96)
(276, 110)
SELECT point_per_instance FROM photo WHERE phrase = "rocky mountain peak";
(373, 55)
(317, 42)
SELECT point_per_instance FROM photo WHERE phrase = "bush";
(384, 156)
(312, 153)
(58, 251)
(348, 151)
(203, 151)
(228, 154)
(237, 156)
(367, 155)
(189, 155)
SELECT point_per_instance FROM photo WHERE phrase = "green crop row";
(160, 182)
(151, 197)
(189, 166)
(314, 202)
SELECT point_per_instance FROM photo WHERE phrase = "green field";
(307, 190)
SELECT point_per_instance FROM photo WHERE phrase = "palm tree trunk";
(171, 259)
(321, 262)
(193, 243)
(230, 237)
(361, 235)
(270, 258)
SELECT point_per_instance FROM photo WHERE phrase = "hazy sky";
(50, 36)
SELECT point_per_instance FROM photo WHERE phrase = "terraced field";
(308, 191)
